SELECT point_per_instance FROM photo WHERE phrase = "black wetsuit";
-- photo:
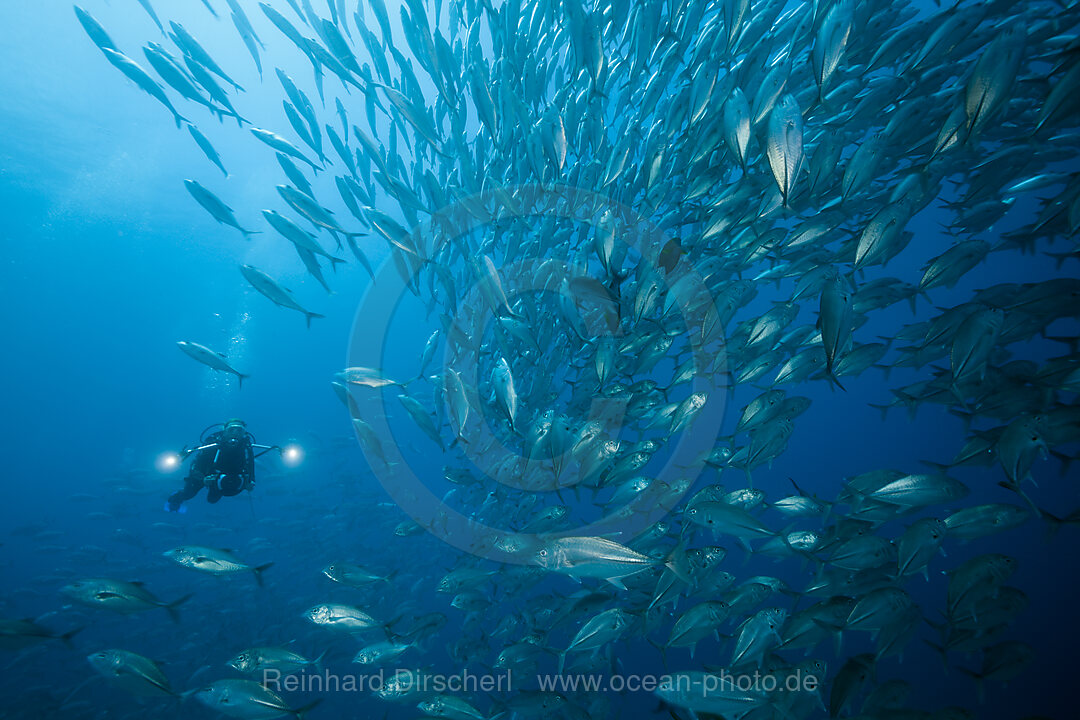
(232, 460)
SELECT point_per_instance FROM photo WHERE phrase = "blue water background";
(107, 263)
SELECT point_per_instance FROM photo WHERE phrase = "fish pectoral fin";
(106, 594)
(121, 672)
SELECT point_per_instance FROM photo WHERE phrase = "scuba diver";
(224, 464)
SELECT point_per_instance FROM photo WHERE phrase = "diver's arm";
(188, 451)
(265, 448)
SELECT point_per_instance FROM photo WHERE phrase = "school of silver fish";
(621, 215)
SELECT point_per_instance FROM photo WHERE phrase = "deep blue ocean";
(108, 262)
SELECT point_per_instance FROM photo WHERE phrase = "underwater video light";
(292, 455)
(168, 461)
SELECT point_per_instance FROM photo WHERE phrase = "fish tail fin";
(940, 649)
(1059, 259)
(1066, 461)
(240, 379)
(171, 607)
(958, 394)
(978, 678)
(671, 564)
(66, 637)
(883, 408)
(966, 416)
(798, 489)
(1071, 342)
(300, 712)
(390, 635)
(249, 233)
(1053, 523)
(1015, 487)
(309, 315)
(830, 375)
(663, 651)
(317, 662)
(562, 660)
(259, 571)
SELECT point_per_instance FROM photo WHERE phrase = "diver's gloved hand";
(173, 506)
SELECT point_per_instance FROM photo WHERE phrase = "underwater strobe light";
(292, 454)
(168, 461)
